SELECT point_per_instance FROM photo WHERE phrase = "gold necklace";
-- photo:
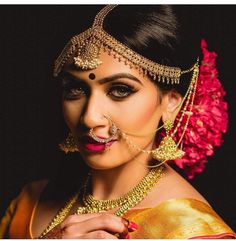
(91, 205)
(60, 216)
(127, 201)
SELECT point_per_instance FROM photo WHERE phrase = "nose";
(93, 115)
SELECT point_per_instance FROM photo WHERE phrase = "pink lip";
(97, 147)
(91, 145)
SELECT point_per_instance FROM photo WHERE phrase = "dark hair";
(165, 34)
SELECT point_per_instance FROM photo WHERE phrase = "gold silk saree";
(182, 218)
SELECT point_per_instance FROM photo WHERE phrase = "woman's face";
(116, 91)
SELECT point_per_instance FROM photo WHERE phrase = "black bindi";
(92, 76)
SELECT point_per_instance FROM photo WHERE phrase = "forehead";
(109, 67)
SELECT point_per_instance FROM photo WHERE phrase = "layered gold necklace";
(124, 203)
(91, 205)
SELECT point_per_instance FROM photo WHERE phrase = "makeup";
(91, 145)
(92, 76)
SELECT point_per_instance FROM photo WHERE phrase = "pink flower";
(208, 121)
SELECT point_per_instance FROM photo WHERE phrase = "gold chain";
(126, 202)
(99, 18)
(60, 216)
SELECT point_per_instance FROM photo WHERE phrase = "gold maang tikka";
(85, 48)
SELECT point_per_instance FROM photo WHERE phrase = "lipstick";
(91, 145)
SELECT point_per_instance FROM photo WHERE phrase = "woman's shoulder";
(177, 210)
(29, 197)
(174, 186)
(171, 186)
(29, 194)
(180, 218)
(19, 211)
(33, 188)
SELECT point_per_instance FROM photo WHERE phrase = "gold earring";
(68, 145)
(167, 150)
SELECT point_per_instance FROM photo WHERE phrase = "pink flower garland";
(209, 119)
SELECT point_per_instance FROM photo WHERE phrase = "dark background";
(31, 38)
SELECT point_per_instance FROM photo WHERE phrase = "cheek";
(144, 109)
(142, 113)
(71, 112)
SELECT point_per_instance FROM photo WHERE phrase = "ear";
(172, 101)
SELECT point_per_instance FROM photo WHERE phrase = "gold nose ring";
(113, 129)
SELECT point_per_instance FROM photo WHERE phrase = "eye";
(121, 91)
(73, 93)
(73, 89)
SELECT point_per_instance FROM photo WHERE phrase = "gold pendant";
(88, 57)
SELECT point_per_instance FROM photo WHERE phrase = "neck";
(114, 183)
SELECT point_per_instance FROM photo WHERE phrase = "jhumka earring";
(69, 144)
(167, 150)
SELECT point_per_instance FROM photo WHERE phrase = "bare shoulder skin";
(172, 185)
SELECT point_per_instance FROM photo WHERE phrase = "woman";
(128, 97)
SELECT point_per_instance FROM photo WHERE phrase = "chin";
(98, 161)
(101, 165)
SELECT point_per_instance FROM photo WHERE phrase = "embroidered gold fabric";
(181, 218)
(86, 47)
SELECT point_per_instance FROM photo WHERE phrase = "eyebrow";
(109, 78)
(119, 76)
